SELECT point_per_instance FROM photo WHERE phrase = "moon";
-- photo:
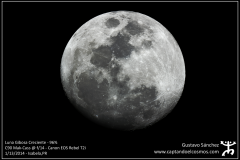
(123, 70)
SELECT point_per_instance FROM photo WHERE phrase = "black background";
(35, 106)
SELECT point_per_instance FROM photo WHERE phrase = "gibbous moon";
(123, 70)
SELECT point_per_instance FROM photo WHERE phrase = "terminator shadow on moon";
(123, 70)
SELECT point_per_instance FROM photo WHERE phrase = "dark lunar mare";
(121, 48)
(134, 28)
(112, 22)
(102, 56)
(147, 44)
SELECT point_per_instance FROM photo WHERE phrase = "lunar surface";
(123, 70)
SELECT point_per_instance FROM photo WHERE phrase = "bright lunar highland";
(123, 70)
